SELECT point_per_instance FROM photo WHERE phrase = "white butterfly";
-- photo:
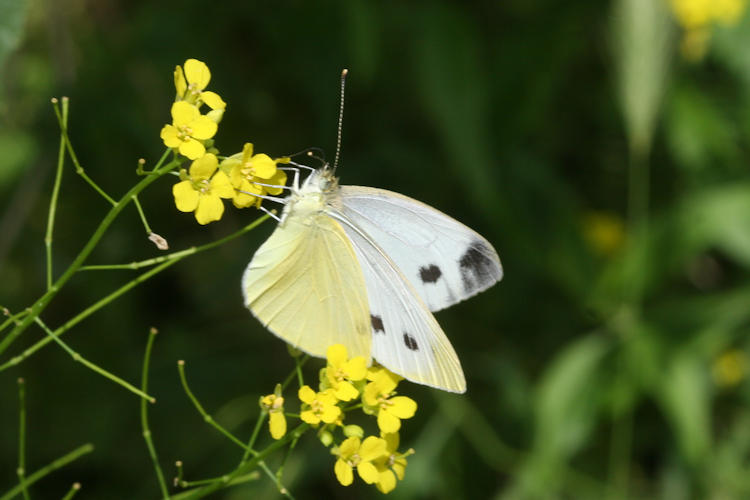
(364, 267)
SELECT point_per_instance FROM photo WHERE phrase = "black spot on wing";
(430, 274)
(477, 269)
(377, 323)
(410, 342)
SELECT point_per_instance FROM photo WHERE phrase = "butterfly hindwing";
(445, 261)
(306, 285)
(406, 338)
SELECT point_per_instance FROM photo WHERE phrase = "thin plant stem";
(49, 468)
(144, 416)
(75, 488)
(251, 442)
(12, 318)
(244, 468)
(142, 214)
(294, 374)
(62, 120)
(639, 186)
(298, 369)
(41, 303)
(21, 471)
(55, 192)
(210, 420)
(252, 476)
(91, 366)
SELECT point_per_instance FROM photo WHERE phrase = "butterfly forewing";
(406, 338)
(445, 261)
(306, 285)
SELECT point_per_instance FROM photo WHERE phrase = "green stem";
(253, 476)
(298, 367)
(55, 190)
(242, 469)
(72, 491)
(12, 318)
(142, 215)
(51, 467)
(88, 364)
(62, 120)
(144, 417)
(36, 309)
(22, 438)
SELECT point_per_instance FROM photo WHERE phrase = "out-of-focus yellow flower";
(604, 232)
(189, 127)
(321, 406)
(341, 372)
(252, 176)
(391, 464)
(696, 18)
(378, 399)
(730, 368)
(202, 189)
(274, 405)
(353, 453)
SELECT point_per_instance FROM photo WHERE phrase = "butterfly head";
(321, 180)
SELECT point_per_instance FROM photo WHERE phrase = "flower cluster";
(245, 178)
(697, 18)
(343, 381)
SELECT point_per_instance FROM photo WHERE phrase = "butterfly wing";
(406, 338)
(306, 286)
(445, 261)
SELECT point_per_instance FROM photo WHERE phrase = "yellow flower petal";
(368, 472)
(349, 447)
(221, 186)
(263, 166)
(309, 417)
(346, 391)
(306, 394)
(279, 179)
(336, 355)
(185, 197)
(403, 407)
(399, 467)
(179, 81)
(204, 167)
(213, 100)
(169, 134)
(386, 481)
(371, 394)
(183, 113)
(210, 208)
(330, 414)
(247, 152)
(372, 447)
(388, 422)
(356, 368)
(197, 73)
(203, 127)
(277, 424)
(192, 149)
(343, 472)
(391, 441)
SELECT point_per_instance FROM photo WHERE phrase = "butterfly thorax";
(311, 198)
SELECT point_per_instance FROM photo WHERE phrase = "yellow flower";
(730, 368)
(190, 83)
(604, 232)
(391, 464)
(188, 128)
(201, 192)
(274, 404)
(353, 453)
(246, 170)
(341, 372)
(696, 17)
(378, 399)
(322, 406)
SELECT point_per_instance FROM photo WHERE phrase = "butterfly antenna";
(341, 120)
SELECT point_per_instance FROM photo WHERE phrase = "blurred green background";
(601, 146)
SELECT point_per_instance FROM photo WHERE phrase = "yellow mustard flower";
(378, 399)
(730, 368)
(321, 406)
(274, 405)
(341, 372)
(189, 127)
(247, 171)
(391, 464)
(696, 18)
(353, 453)
(203, 189)
(190, 82)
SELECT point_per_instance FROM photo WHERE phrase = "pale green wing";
(306, 286)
